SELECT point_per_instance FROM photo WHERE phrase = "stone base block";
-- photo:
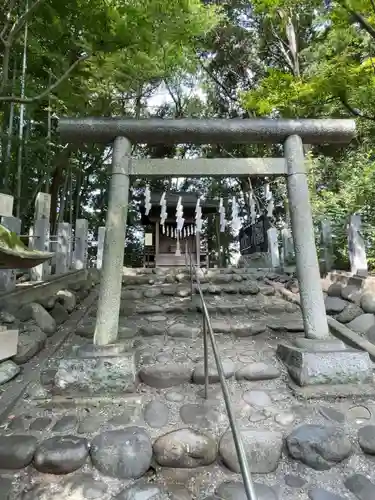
(97, 351)
(333, 392)
(321, 367)
(313, 345)
(95, 376)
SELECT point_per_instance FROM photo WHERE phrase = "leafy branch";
(8, 36)
(49, 89)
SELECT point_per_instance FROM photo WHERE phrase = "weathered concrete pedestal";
(326, 369)
(97, 370)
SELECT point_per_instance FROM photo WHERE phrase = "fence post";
(80, 244)
(41, 234)
(64, 234)
(8, 276)
(273, 247)
(357, 248)
(100, 247)
(326, 240)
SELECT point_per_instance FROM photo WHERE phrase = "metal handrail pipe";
(238, 443)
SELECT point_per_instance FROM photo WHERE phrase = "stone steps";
(165, 441)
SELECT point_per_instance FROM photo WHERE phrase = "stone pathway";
(165, 441)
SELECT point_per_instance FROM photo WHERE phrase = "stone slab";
(332, 392)
(320, 345)
(8, 343)
(308, 367)
(96, 376)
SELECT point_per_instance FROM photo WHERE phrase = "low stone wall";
(255, 260)
(350, 300)
(37, 320)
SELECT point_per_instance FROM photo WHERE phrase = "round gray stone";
(263, 450)
(16, 451)
(29, 344)
(257, 417)
(366, 439)
(152, 293)
(185, 448)
(368, 302)
(84, 486)
(156, 414)
(351, 292)
(123, 454)
(174, 397)
(257, 398)
(213, 289)
(165, 375)
(131, 413)
(59, 313)
(67, 423)
(7, 318)
(40, 424)
(67, 299)
(360, 486)
(157, 318)
(285, 324)
(357, 413)
(321, 494)
(335, 289)
(150, 330)
(17, 424)
(131, 295)
(350, 312)
(294, 481)
(234, 490)
(8, 370)
(184, 331)
(285, 419)
(257, 371)
(334, 305)
(213, 376)
(200, 415)
(362, 323)
(318, 446)
(90, 424)
(143, 491)
(6, 487)
(43, 319)
(249, 289)
(332, 414)
(61, 454)
(249, 329)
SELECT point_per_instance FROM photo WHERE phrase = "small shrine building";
(164, 245)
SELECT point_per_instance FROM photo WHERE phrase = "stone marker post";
(80, 244)
(8, 276)
(41, 234)
(326, 239)
(273, 247)
(64, 234)
(357, 248)
(312, 300)
(100, 248)
(107, 319)
(288, 246)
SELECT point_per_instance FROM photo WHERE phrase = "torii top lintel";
(205, 131)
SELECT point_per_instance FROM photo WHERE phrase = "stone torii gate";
(291, 133)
